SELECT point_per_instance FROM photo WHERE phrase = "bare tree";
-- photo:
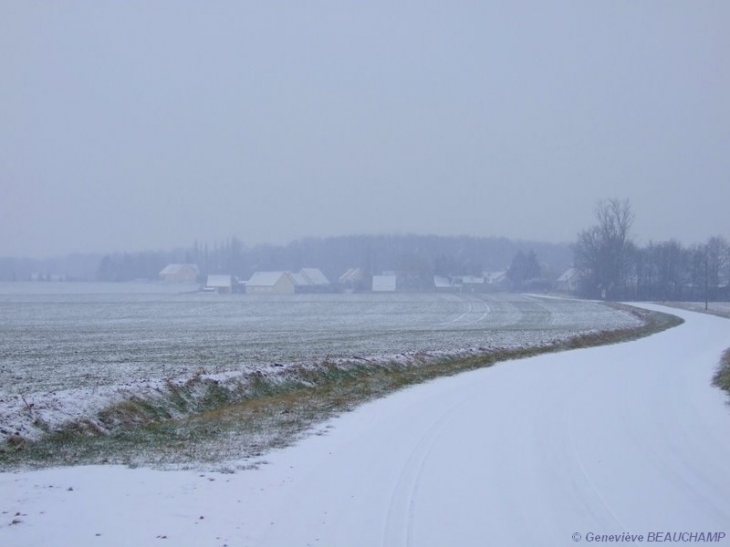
(603, 251)
(716, 253)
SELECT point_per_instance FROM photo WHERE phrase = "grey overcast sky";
(131, 125)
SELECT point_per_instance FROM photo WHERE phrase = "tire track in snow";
(582, 468)
(398, 528)
(473, 307)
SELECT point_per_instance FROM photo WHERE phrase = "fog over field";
(144, 125)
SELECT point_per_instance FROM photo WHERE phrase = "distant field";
(61, 336)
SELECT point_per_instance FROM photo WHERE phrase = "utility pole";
(707, 281)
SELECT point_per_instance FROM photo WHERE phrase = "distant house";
(311, 280)
(351, 276)
(495, 278)
(219, 283)
(180, 273)
(568, 281)
(315, 277)
(300, 281)
(384, 283)
(443, 283)
(473, 283)
(353, 279)
(271, 283)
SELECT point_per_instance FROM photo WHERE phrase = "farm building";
(180, 273)
(442, 283)
(315, 277)
(300, 281)
(384, 283)
(568, 281)
(495, 278)
(472, 283)
(219, 283)
(353, 279)
(271, 283)
(351, 276)
(310, 280)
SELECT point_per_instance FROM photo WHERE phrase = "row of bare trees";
(613, 266)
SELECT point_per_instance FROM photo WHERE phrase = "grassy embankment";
(202, 422)
(722, 376)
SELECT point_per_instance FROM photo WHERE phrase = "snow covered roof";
(300, 280)
(567, 275)
(353, 274)
(495, 277)
(172, 269)
(264, 279)
(315, 276)
(472, 279)
(219, 281)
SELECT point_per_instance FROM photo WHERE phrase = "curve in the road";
(623, 439)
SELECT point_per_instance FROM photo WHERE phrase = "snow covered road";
(629, 438)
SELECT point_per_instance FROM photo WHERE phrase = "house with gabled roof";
(271, 283)
(444, 284)
(300, 280)
(353, 275)
(311, 280)
(315, 276)
(353, 279)
(568, 281)
(180, 273)
(495, 278)
(220, 283)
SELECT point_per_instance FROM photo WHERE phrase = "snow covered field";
(86, 336)
(69, 350)
(550, 450)
(59, 336)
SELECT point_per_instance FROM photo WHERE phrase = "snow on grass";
(69, 353)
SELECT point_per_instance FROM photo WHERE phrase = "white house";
(442, 283)
(351, 276)
(271, 283)
(300, 280)
(315, 277)
(384, 283)
(495, 278)
(180, 273)
(568, 281)
(219, 283)
(353, 279)
(310, 280)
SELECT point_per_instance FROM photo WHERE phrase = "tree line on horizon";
(612, 266)
(609, 263)
(417, 258)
